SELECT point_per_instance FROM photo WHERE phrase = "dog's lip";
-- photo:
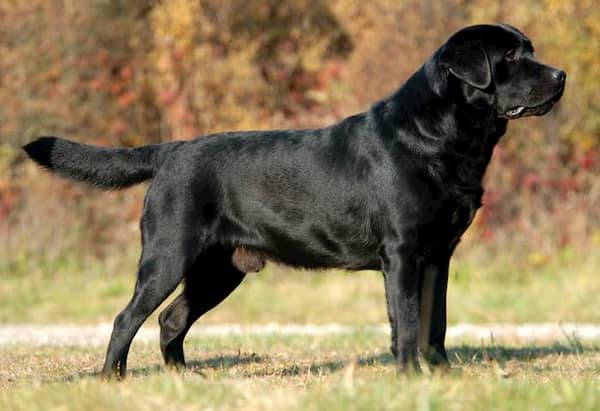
(521, 111)
(539, 110)
(514, 112)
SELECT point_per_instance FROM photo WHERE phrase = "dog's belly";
(302, 221)
(310, 243)
(317, 247)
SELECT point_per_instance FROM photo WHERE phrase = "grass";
(331, 372)
(77, 289)
(302, 372)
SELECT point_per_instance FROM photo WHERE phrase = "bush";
(146, 71)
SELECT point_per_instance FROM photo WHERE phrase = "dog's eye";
(510, 55)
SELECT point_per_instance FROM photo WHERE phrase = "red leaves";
(127, 98)
(119, 127)
(97, 84)
(167, 97)
(531, 181)
(588, 160)
(333, 71)
(126, 73)
(7, 198)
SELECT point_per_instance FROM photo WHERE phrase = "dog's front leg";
(400, 269)
(434, 285)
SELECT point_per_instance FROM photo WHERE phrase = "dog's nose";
(559, 75)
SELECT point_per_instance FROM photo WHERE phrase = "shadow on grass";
(462, 355)
(468, 354)
(220, 362)
(473, 355)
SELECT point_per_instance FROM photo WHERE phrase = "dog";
(390, 189)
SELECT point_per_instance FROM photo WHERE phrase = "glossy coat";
(391, 189)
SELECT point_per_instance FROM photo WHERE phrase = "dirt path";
(97, 335)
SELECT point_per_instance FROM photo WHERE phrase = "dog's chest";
(454, 219)
(462, 217)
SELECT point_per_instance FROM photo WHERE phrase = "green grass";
(77, 289)
(335, 372)
(322, 373)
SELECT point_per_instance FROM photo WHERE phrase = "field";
(129, 73)
(304, 372)
(329, 371)
(481, 290)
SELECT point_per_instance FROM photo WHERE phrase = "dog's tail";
(108, 168)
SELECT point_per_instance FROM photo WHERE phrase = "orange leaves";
(103, 58)
(116, 88)
(145, 72)
(127, 98)
(97, 84)
(7, 199)
(167, 97)
(126, 73)
(119, 127)
(588, 160)
(7, 192)
(119, 86)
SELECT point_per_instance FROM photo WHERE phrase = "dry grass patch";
(320, 372)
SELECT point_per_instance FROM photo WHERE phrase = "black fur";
(392, 189)
(110, 168)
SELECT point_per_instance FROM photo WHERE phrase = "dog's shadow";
(459, 356)
(472, 355)
(220, 362)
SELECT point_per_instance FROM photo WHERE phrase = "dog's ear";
(464, 56)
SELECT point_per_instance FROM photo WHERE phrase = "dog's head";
(496, 67)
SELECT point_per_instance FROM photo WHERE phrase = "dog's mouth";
(539, 110)
(522, 111)
(514, 112)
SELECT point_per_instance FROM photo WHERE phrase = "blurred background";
(132, 72)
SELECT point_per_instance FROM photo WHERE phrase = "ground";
(328, 370)
(325, 372)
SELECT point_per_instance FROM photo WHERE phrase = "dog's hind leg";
(169, 251)
(208, 283)
(156, 280)
(158, 276)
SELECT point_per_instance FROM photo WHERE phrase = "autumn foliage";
(146, 71)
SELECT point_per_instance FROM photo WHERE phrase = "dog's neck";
(454, 139)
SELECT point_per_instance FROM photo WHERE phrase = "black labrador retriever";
(392, 189)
